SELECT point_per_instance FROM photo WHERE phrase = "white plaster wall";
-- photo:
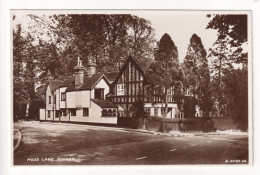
(101, 84)
(82, 98)
(159, 105)
(95, 113)
(57, 99)
(49, 93)
(85, 98)
(71, 99)
(62, 103)
(78, 99)
(152, 111)
(42, 114)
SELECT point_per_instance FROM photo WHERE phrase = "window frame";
(102, 91)
(156, 112)
(84, 112)
(57, 113)
(122, 89)
(63, 96)
(72, 113)
(109, 112)
(63, 111)
(148, 111)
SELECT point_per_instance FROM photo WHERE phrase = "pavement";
(172, 134)
(72, 144)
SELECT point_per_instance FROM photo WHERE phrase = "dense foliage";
(229, 68)
(197, 77)
(165, 72)
(216, 81)
(53, 43)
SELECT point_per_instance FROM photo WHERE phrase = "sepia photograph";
(131, 87)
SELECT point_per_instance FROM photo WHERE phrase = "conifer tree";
(197, 76)
(165, 71)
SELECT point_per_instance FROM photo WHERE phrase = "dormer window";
(99, 93)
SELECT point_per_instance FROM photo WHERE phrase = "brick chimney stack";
(79, 74)
(91, 67)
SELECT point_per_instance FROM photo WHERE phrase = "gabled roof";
(90, 82)
(111, 76)
(70, 84)
(143, 64)
(55, 84)
(104, 103)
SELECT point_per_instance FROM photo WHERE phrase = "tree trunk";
(166, 103)
(27, 110)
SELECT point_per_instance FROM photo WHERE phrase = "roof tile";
(104, 103)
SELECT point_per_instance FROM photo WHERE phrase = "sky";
(180, 25)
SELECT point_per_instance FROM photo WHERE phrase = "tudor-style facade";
(102, 97)
(130, 87)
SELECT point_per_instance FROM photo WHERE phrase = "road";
(68, 144)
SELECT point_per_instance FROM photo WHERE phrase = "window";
(181, 115)
(156, 112)
(99, 93)
(120, 89)
(73, 112)
(49, 114)
(114, 112)
(57, 114)
(104, 112)
(63, 96)
(109, 113)
(54, 99)
(148, 111)
(85, 112)
(121, 114)
(63, 112)
(49, 99)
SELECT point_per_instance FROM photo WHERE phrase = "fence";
(180, 125)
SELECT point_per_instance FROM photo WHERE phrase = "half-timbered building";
(130, 88)
(92, 97)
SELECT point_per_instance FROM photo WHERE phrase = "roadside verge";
(17, 136)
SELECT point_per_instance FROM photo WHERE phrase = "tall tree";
(141, 38)
(165, 71)
(52, 44)
(230, 81)
(233, 29)
(197, 76)
(219, 59)
(108, 39)
(32, 59)
(20, 95)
